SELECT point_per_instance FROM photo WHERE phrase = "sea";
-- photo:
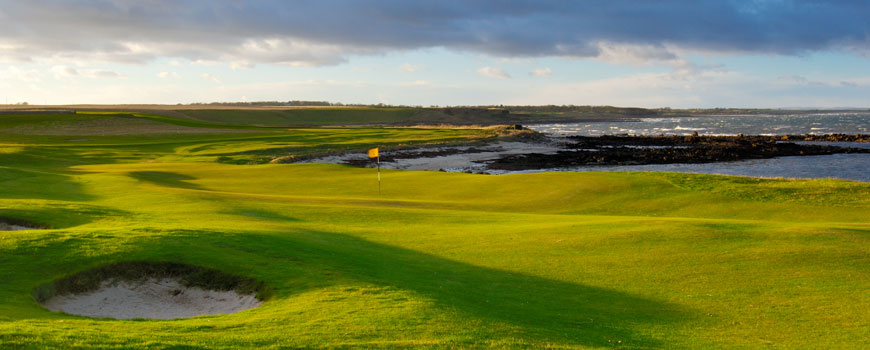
(854, 167)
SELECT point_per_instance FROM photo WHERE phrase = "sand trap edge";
(132, 272)
(153, 298)
(15, 224)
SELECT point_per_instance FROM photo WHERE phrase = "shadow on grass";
(262, 215)
(542, 309)
(43, 173)
(29, 184)
(165, 178)
(545, 309)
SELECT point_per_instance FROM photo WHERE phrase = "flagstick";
(379, 172)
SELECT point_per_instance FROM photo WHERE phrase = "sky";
(664, 53)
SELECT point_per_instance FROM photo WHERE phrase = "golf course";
(439, 260)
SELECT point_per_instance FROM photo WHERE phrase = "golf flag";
(373, 153)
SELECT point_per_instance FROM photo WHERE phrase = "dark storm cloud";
(326, 31)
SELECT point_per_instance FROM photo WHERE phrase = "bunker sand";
(163, 299)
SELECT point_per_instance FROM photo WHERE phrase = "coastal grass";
(436, 260)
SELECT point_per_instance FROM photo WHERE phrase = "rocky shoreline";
(640, 150)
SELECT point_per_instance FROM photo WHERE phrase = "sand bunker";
(13, 224)
(10, 227)
(153, 298)
(151, 290)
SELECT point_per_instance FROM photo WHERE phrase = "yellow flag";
(373, 153)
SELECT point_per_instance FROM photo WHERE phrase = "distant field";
(96, 124)
(290, 116)
(437, 260)
(308, 116)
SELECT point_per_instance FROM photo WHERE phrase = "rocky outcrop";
(636, 150)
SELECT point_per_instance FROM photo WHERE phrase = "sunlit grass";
(441, 260)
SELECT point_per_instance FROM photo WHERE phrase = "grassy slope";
(569, 260)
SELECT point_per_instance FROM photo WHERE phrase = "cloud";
(798, 80)
(542, 72)
(204, 63)
(410, 68)
(794, 79)
(706, 86)
(210, 77)
(18, 74)
(416, 83)
(164, 75)
(635, 54)
(62, 72)
(328, 32)
(241, 65)
(643, 89)
(491, 72)
(99, 73)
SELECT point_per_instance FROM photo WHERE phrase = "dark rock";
(623, 150)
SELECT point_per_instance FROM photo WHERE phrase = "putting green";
(437, 260)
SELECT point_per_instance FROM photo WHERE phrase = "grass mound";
(188, 275)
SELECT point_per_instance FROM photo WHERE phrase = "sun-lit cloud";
(210, 77)
(13, 73)
(416, 83)
(491, 72)
(635, 54)
(204, 63)
(165, 75)
(241, 65)
(100, 73)
(542, 72)
(410, 68)
(62, 72)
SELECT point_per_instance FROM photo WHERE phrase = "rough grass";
(437, 260)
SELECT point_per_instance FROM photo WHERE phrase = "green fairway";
(437, 260)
